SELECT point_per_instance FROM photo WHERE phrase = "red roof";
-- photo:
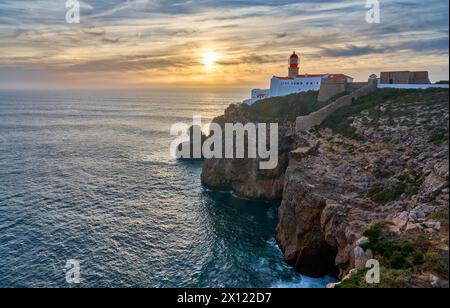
(338, 76)
(310, 75)
(284, 78)
(294, 55)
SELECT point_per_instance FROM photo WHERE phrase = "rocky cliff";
(370, 182)
(244, 176)
(383, 159)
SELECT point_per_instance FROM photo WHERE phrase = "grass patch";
(356, 281)
(285, 108)
(389, 278)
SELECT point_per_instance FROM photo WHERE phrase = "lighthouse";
(294, 82)
(293, 65)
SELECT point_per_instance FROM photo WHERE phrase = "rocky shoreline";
(382, 160)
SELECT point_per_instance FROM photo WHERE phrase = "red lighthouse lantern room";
(293, 65)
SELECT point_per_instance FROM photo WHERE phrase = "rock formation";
(396, 172)
(382, 158)
(244, 175)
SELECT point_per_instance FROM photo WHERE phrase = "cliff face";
(383, 158)
(244, 176)
(391, 165)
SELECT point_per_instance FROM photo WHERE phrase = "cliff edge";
(380, 163)
(371, 182)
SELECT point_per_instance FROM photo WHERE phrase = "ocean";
(87, 176)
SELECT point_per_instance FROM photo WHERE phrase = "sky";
(214, 43)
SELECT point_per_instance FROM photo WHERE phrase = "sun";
(209, 59)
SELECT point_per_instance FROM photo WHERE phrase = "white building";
(293, 83)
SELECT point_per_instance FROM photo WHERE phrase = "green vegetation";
(439, 136)
(403, 184)
(340, 121)
(401, 257)
(285, 108)
(441, 216)
(381, 194)
(394, 278)
(383, 173)
(389, 278)
(375, 232)
(357, 280)
(395, 253)
(314, 151)
(433, 262)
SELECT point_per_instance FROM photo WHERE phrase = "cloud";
(252, 36)
(95, 31)
(433, 46)
(351, 51)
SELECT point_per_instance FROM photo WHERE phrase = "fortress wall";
(402, 77)
(355, 86)
(316, 118)
(331, 87)
(420, 78)
(405, 77)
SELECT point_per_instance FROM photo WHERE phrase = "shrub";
(442, 216)
(439, 136)
(434, 263)
(380, 194)
(357, 280)
(395, 253)
(314, 151)
(375, 232)
(392, 278)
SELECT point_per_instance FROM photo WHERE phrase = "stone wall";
(355, 86)
(331, 87)
(420, 78)
(405, 77)
(316, 118)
